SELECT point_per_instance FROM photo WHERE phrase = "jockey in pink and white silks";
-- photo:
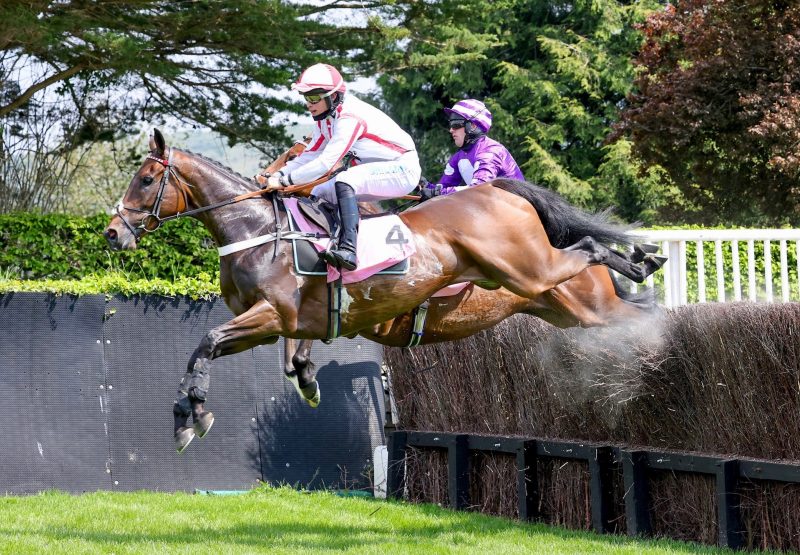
(388, 165)
(479, 158)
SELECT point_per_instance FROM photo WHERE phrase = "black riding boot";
(344, 255)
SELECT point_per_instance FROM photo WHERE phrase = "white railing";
(748, 264)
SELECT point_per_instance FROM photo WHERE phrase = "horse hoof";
(641, 250)
(646, 248)
(652, 263)
(203, 423)
(183, 437)
(656, 260)
(311, 394)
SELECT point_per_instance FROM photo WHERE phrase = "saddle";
(324, 215)
(320, 212)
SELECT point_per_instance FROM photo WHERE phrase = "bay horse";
(492, 235)
(591, 298)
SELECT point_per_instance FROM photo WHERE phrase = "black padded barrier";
(331, 446)
(51, 376)
(89, 384)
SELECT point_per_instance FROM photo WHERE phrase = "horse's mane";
(220, 166)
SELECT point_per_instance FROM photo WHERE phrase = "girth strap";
(420, 315)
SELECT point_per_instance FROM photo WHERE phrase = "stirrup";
(334, 258)
(344, 259)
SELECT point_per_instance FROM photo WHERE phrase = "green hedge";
(58, 247)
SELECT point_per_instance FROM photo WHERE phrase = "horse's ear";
(157, 143)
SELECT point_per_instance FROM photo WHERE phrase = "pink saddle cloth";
(382, 242)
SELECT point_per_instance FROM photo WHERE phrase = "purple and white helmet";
(474, 111)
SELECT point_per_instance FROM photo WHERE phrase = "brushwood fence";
(602, 462)
(683, 424)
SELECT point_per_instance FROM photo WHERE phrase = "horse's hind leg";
(588, 299)
(600, 254)
(299, 370)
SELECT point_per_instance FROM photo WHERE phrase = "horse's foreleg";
(254, 327)
(191, 397)
(300, 371)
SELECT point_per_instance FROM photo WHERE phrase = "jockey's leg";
(344, 254)
(366, 182)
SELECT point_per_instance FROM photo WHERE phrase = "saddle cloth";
(384, 246)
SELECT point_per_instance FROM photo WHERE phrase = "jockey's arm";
(311, 153)
(451, 181)
(488, 166)
(348, 130)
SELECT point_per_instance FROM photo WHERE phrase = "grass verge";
(281, 520)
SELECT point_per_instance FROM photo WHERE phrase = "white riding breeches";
(373, 181)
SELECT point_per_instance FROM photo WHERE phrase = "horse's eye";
(147, 180)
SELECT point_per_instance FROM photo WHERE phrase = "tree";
(552, 72)
(206, 62)
(36, 163)
(107, 65)
(717, 107)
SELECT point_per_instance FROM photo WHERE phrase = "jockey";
(479, 158)
(388, 166)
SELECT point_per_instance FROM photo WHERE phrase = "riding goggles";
(314, 97)
(457, 123)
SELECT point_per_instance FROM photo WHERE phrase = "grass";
(280, 520)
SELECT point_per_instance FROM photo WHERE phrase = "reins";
(152, 219)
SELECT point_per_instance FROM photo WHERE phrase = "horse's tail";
(565, 224)
(645, 298)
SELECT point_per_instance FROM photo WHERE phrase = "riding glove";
(427, 193)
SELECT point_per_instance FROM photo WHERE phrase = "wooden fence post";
(527, 481)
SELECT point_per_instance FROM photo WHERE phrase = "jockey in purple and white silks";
(479, 158)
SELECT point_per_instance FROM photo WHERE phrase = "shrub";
(59, 246)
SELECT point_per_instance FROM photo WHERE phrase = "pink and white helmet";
(474, 111)
(320, 78)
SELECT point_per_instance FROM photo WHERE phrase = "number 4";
(396, 237)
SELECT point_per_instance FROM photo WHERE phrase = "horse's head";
(153, 194)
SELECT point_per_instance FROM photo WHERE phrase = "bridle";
(152, 219)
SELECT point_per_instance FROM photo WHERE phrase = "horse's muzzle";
(119, 239)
